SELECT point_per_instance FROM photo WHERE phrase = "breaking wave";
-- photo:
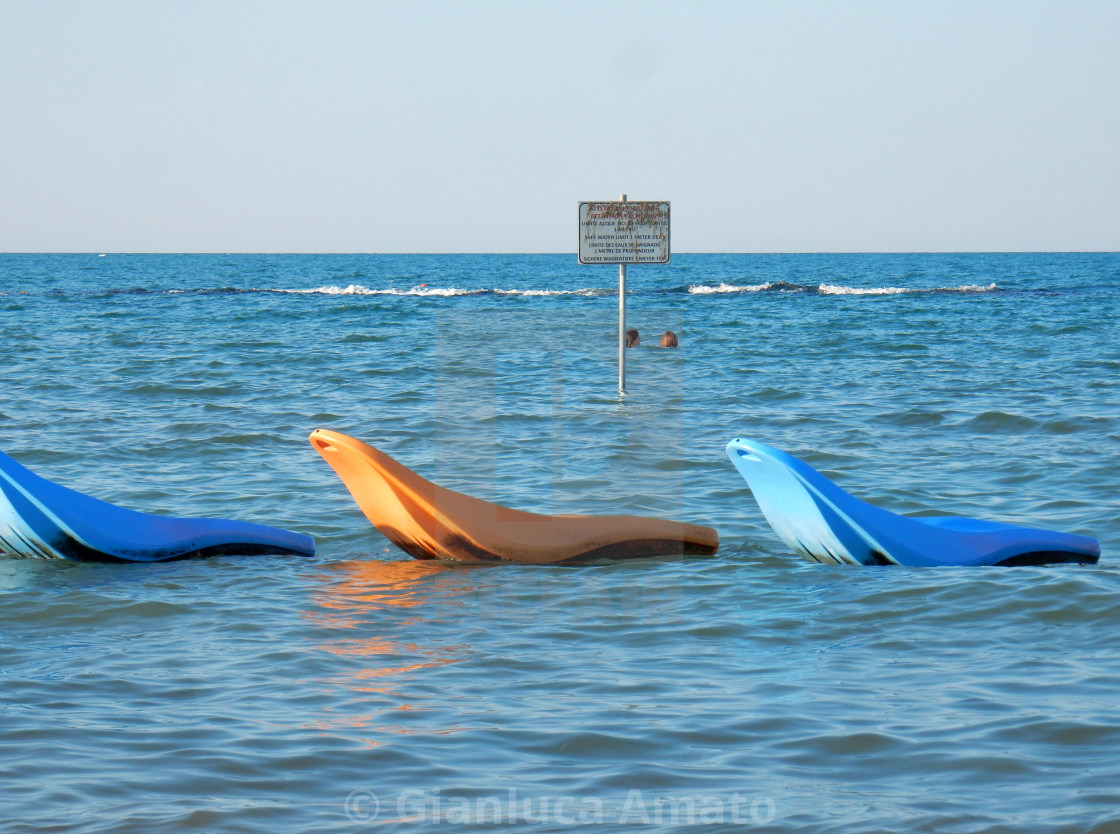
(426, 291)
(725, 288)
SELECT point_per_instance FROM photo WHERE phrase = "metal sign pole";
(622, 323)
(621, 233)
(622, 328)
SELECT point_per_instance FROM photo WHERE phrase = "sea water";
(751, 690)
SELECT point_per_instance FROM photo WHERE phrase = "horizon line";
(222, 253)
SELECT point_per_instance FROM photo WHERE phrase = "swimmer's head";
(669, 339)
(632, 339)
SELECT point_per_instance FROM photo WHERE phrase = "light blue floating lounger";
(821, 521)
(40, 519)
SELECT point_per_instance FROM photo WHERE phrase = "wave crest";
(833, 289)
(696, 289)
(725, 288)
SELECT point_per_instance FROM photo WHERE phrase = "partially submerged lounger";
(41, 519)
(821, 521)
(431, 522)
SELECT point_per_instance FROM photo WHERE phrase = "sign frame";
(624, 232)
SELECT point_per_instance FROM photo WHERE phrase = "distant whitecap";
(832, 289)
(728, 288)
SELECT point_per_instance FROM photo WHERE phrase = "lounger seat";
(824, 523)
(431, 522)
(41, 519)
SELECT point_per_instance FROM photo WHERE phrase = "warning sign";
(624, 233)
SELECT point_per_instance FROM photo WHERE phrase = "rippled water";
(750, 690)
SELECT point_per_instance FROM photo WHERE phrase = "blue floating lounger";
(40, 519)
(821, 521)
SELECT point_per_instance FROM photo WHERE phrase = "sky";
(479, 126)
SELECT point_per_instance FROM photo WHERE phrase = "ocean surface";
(751, 690)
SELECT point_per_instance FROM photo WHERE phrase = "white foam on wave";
(445, 292)
(728, 288)
(833, 289)
(358, 289)
(695, 289)
(353, 289)
(548, 293)
(533, 293)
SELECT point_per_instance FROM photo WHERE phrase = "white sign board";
(624, 233)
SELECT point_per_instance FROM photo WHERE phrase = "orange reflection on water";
(374, 661)
(359, 587)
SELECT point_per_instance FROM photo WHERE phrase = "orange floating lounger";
(431, 522)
